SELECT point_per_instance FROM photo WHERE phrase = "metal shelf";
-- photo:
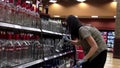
(58, 55)
(55, 33)
(30, 63)
(8, 25)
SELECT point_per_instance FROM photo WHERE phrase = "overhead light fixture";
(81, 0)
(114, 16)
(94, 16)
(76, 16)
(53, 1)
(56, 16)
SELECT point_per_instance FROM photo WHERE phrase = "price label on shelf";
(60, 54)
(54, 56)
(17, 26)
(46, 58)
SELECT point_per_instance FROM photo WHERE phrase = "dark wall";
(101, 24)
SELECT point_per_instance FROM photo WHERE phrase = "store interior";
(31, 31)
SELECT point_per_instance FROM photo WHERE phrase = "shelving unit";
(38, 61)
(29, 39)
(109, 39)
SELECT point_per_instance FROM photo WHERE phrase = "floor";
(112, 62)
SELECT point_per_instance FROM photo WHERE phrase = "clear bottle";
(9, 53)
(17, 47)
(1, 53)
(25, 49)
(8, 13)
(2, 11)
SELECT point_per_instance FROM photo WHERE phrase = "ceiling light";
(53, 1)
(81, 0)
(56, 16)
(94, 16)
(114, 16)
(76, 16)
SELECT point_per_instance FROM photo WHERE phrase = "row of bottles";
(17, 36)
(109, 39)
(18, 15)
(51, 24)
(18, 48)
(51, 46)
(26, 17)
(15, 52)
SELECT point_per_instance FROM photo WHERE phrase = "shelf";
(8, 25)
(41, 60)
(58, 55)
(51, 32)
(30, 64)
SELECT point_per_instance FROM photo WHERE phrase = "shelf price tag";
(17, 26)
(46, 58)
(20, 67)
(60, 54)
(65, 53)
(55, 56)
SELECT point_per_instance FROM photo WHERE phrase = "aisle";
(112, 62)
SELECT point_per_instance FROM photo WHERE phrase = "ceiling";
(74, 1)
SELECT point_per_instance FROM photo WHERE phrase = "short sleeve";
(84, 32)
